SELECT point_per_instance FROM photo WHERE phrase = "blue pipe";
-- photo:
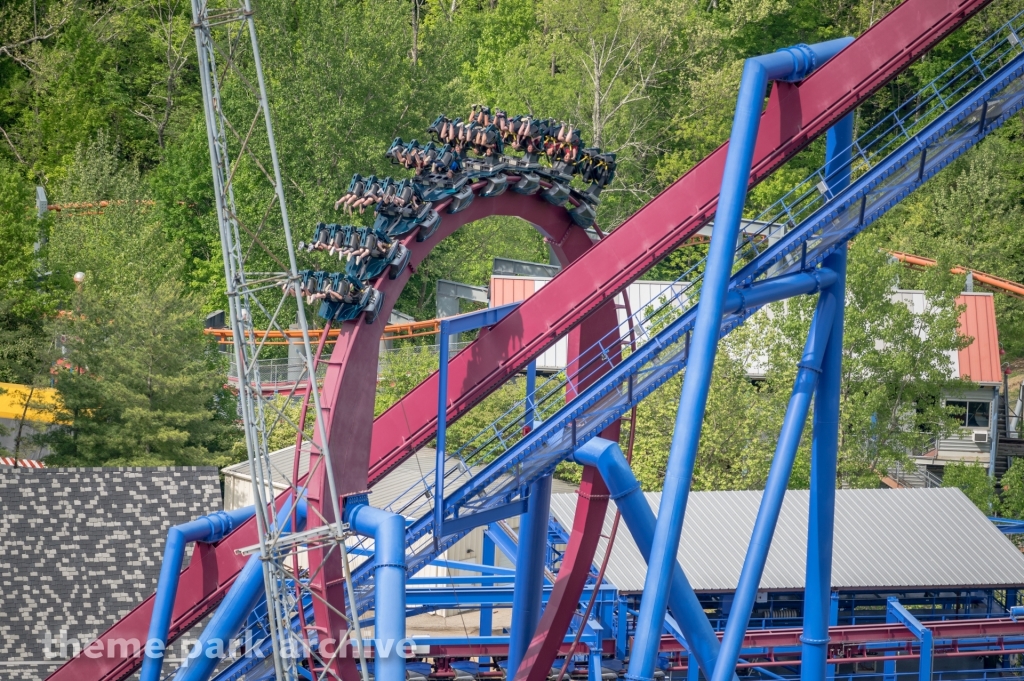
(529, 585)
(792, 63)
(625, 490)
(531, 397)
(487, 611)
(775, 487)
(227, 621)
(442, 430)
(825, 438)
(388, 532)
(211, 528)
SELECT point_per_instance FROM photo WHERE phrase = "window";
(970, 414)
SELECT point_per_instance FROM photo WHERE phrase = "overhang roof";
(885, 539)
(979, 361)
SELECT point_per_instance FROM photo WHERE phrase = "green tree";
(969, 216)
(896, 365)
(139, 390)
(1011, 501)
(738, 437)
(140, 385)
(466, 256)
(26, 292)
(896, 369)
(971, 479)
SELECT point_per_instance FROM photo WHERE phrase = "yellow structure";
(14, 397)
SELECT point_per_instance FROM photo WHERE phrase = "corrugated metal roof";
(505, 290)
(905, 538)
(281, 463)
(979, 361)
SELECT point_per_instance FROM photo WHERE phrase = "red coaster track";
(576, 302)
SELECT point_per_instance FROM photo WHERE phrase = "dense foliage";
(100, 101)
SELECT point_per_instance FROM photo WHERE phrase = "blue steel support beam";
(895, 612)
(791, 64)
(756, 295)
(211, 528)
(487, 611)
(388, 532)
(621, 630)
(231, 614)
(825, 439)
(775, 486)
(594, 661)
(481, 568)
(452, 326)
(504, 542)
(526, 603)
(531, 398)
(607, 458)
(499, 596)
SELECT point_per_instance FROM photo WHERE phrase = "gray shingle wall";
(80, 547)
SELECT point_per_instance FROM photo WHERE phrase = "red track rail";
(206, 580)
(796, 114)
(843, 640)
(348, 392)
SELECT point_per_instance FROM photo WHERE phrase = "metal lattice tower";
(263, 292)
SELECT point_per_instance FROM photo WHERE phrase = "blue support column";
(692, 668)
(487, 612)
(594, 662)
(230, 616)
(607, 457)
(388, 533)
(790, 64)
(531, 398)
(825, 439)
(442, 431)
(450, 327)
(775, 488)
(209, 528)
(529, 588)
(896, 613)
(621, 628)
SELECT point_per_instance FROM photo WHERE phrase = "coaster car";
(345, 298)
(375, 254)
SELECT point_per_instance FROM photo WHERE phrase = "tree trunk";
(415, 31)
(21, 421)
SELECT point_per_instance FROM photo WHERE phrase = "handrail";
(1005, 286)
(401, 331)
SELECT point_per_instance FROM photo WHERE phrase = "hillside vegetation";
(100, 101)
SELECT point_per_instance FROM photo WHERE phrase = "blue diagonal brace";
(896, 613)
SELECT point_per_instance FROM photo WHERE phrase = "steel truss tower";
(263, 292)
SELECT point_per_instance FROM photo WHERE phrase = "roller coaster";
(462, 176)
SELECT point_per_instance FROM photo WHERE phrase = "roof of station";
(885, 539)
(404, 482)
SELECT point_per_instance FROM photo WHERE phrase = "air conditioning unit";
(981, 437)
